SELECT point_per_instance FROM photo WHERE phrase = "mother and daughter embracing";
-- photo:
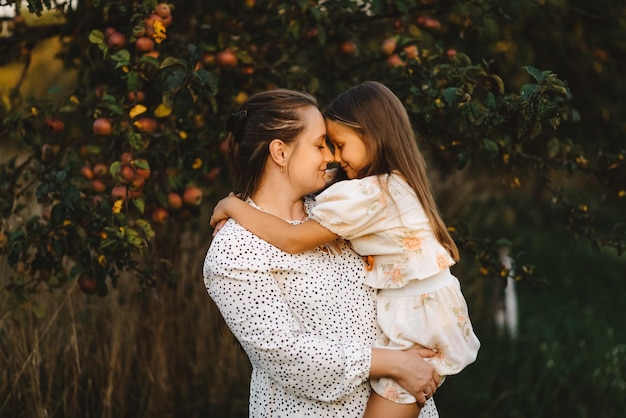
(342, 299)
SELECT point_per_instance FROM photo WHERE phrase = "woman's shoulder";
(234, 240)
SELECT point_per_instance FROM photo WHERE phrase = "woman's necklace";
(302, 219)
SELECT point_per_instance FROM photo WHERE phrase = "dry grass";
(163, 355)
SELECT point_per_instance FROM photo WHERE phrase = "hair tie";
(235, 119)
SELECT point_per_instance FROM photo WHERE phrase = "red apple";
(224, 146)
(87, 172)
(119, 193)
(163, 9)
(348, 47)
(411, 52)
(126, 173)
(136, 96)
(160, 215)
(100, 169)
(138, 183)
(116, 40)
(388, 46)
(126, 157)
(98, 186)
(395, 61)
(87, 284)
(212, 174)
(192, 196)
(310, 34)
(174, 201)
(55, 125)
(144, 44)
(146, 125)
(226, 59)
(102, 126)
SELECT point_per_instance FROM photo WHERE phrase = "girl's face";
(310, 155)
(350, 150)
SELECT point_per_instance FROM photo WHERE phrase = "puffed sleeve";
(352, 208)
(253, 307)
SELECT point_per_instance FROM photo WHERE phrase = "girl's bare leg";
(379, 407)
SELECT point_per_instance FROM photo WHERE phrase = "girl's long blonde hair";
(380, 118)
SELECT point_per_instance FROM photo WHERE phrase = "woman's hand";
(408, 369)
(220, 212)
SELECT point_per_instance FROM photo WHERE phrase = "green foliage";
(152, 94)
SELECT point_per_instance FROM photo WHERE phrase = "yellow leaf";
(137, 110)
(621, 193)
(162, 111)
(182, 135)
(197, 164)
(159, 32)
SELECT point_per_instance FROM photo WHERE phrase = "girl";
(387, 211)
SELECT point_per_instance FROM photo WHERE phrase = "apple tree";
(136, 144)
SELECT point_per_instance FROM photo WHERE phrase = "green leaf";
(140, 204)
(136, 140)
(535, 73)
(122, 56)
(132, 81)
(96, 36)
(114, 168)
(149, 60)
(170, 61)
(140, 163)
(491, 147)
(449, 95)
(528, 90)
(175, 78)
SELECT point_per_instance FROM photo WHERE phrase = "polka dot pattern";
(306, 321)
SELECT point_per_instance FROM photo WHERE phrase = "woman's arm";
(290, 238)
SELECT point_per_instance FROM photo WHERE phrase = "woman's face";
(310, 155)
(350, 150)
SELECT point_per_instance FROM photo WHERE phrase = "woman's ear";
(277, 151)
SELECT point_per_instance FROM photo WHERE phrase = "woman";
(306, 321)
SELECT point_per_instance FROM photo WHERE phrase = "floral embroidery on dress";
(440, 356)
(394, 276)
(442, 262)
(391, 393)
(463, 321)
(412, 243)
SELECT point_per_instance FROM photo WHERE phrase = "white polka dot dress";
(306, 321)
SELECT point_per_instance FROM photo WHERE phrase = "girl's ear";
(277, 151)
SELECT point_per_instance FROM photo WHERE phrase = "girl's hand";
(220, 212)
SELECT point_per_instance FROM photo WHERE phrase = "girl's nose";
(337, 155)
(328, 156)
